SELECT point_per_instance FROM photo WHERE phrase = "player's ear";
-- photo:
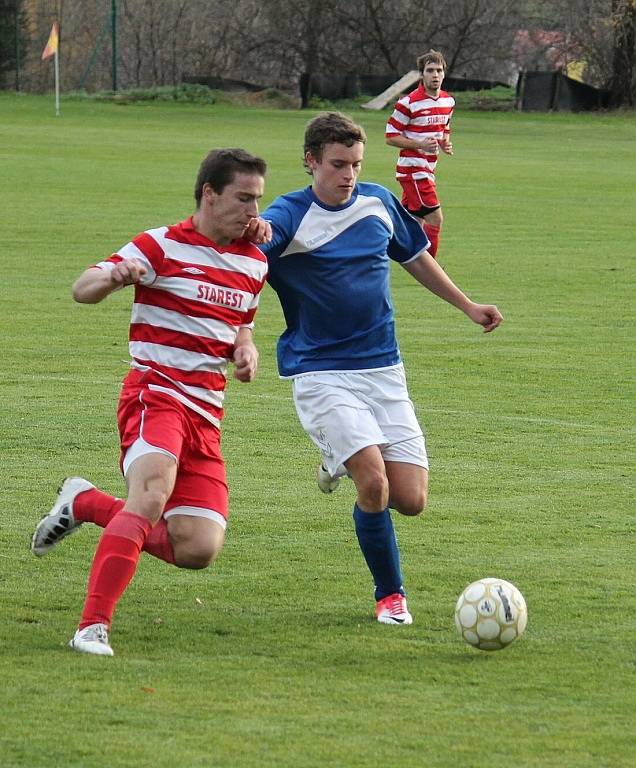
(208, 193)
(311, 161)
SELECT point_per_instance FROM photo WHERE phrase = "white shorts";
(344, 412)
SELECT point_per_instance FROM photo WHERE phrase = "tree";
(14, 39)
(623, 21)
(603, 31)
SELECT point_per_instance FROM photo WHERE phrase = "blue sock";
(379, 546)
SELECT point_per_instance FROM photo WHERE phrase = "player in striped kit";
(420, 128)
(196, 290)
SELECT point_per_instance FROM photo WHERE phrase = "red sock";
(97, 507)
(158, 543)
(113, 566)
(432, 233)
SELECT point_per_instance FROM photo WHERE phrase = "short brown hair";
(428, 57)
(220, 166)
(331, 128)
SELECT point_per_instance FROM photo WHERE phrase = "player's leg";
(376, 536)
(150, 480)
(432, 225)
(79, 502)
(419, 197)
(404, 449)
(197, 511)
(343, 426)
(408, 487)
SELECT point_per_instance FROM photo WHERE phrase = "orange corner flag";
(52, 42)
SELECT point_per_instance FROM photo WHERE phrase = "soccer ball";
(490, 614)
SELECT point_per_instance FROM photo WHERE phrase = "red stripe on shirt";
(170, 338)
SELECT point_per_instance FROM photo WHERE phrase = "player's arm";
(95, 283)
(428, 145)
(245, 356)
(428, 273)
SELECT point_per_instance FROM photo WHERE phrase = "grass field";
(272, 657)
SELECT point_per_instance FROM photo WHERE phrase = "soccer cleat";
(392, 610)
(92, 639)
(326, 482)
(59, 522)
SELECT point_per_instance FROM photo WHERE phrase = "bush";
(498, 99)
(189, 93)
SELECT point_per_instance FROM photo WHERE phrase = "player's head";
(330, 128)
(334, 148)
(220, 167)
(432, 68)
(430, 57)
(229, 185)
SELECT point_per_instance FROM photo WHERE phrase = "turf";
(272, 657)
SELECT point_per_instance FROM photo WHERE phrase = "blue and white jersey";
(330, 267)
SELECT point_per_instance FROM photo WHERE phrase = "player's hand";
(486, 315)
(258, 231)
(429, 146)
(127, 272)
(446, 145)
(245, 362)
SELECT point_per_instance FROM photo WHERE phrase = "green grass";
(272, 658)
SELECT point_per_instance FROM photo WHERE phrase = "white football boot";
(326, 482)
(92, 639)
(59, 522)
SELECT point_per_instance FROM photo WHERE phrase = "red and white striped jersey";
(415, 116)
(188, 309)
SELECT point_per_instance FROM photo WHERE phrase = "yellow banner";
(52, 43)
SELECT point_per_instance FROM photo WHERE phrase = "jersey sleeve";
(400, 118)
(408, 239)
(144, 249)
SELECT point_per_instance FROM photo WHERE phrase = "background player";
(329, 261)
(197, 287)
(420, 128)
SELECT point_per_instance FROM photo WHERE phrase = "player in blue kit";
(329, 263)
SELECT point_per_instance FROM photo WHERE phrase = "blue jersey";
(330, 267)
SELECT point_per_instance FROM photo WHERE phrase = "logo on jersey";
(216, 295)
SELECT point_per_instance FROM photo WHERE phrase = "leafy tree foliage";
(14, 37)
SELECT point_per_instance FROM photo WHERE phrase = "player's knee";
(196, 555)
(373, 490)
(414, 504)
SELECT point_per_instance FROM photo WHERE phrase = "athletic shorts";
(344, 412)
(154, 422)
(419, 196)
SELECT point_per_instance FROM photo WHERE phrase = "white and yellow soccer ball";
(490, 614)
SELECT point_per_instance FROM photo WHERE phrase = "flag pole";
(57, 83)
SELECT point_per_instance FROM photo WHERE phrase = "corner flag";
(52, 42)
(51, 49)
